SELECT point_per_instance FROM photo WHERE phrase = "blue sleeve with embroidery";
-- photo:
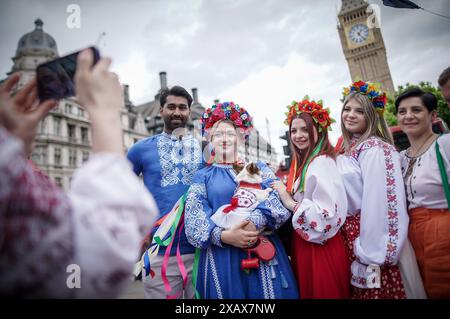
(271, 213)
(134, 156)
(201, 231)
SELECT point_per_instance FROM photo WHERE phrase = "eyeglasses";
(223, 134)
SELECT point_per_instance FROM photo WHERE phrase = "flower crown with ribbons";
(227, 111)
(319, 114)
(372, 90)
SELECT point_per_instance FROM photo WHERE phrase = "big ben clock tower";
(363, 45)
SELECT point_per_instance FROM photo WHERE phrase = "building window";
(57, 156)
(80, 112)
(68, 108)
(72, 158)
(35, 157)
(84, 135)
(39, 155)
(58, 181)
(57, 126)
(71, 132)
(56, 108)
(85, 156)
(42, 126)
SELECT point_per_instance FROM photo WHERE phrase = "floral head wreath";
(371, 90)
(227, 111)
(319, 114)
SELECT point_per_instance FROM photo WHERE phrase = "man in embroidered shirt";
(168, 162)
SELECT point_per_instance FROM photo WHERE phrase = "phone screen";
(55, 79)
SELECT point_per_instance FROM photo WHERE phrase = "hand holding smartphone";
(56, 78)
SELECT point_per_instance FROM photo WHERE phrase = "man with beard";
(168, 162)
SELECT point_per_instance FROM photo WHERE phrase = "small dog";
(246, 198)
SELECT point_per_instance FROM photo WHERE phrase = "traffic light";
(287, 149)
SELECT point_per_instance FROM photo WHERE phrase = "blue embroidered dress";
(219, 269)
(168, 166)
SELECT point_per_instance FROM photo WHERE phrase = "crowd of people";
(367, 221)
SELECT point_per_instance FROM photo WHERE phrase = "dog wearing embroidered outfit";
(246, 198)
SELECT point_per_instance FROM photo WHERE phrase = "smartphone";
(55, 79)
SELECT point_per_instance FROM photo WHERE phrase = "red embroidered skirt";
(391, 280)
(322, 271)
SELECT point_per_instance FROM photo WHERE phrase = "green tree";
(443, 110)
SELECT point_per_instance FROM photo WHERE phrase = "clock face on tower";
(359, 33)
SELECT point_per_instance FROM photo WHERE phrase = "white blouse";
(112, 212)
(323, 204)
(423, 180)
(374, 185)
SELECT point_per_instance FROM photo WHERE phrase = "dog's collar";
(250, 185)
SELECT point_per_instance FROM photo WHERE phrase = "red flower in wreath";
(308, 108)
(315, 109)
(227, 110)
(359, 83)
(315, 106)
(322, 117)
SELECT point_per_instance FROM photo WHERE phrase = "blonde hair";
(376, 124)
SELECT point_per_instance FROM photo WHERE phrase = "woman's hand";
(285, 197)
(250, 226)
(100, 93)
(239, 237)
(98, 89)
(281, 189)
(21, 113)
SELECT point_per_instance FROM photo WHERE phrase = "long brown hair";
(326, 148)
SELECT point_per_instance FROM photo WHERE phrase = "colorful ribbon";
(292, 177)
(165, 236)
(180, 263)
(305, 167)
(195, 272)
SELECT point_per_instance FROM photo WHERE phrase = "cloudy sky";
(261, 54)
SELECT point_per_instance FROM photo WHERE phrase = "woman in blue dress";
(218, 273)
